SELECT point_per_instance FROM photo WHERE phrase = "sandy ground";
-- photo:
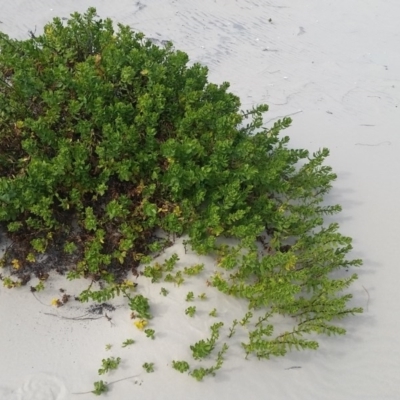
(334, 66)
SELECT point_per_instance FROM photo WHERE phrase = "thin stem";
(111, 383)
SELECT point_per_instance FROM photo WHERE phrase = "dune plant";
(148, 367)
(201, 372)
(191, 311)
(128, 342)
(100, 387)
(203, 348)
(189, 296)
(181, 366)
(150, 333)
(109, 364)
(106, 139)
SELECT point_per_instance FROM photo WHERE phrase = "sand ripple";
(39, 387)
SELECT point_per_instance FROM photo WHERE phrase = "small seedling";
(215, 330)
(194, 270)
(10, 283)
(150, 333)
(108, 346)
(202, 349)
(200, 373)
(155, 272)
(170, 263)
(190, 311)
(177, 279)
(232, 330)
(148, 367)
(181, 366)
(31, 257)
(164, 291)
(202, 296)
(39, 287)
(99, 388)
(213, 313)
(246, 318)
(220, 356)
(128, 342)
(109, 364)
(102, 387)
(190, 296)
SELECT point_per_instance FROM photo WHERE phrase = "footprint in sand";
(39, 387)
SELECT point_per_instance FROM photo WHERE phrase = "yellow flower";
(141, 324)
(55, 302)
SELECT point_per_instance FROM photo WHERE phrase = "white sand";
(334, 66)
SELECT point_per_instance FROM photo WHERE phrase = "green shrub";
(105, 137)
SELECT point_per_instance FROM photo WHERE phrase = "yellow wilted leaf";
(49, 31)
(177, 211)
(137, 256)
(291, 262)
(128, 283)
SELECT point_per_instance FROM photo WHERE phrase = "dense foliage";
(106, 138)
